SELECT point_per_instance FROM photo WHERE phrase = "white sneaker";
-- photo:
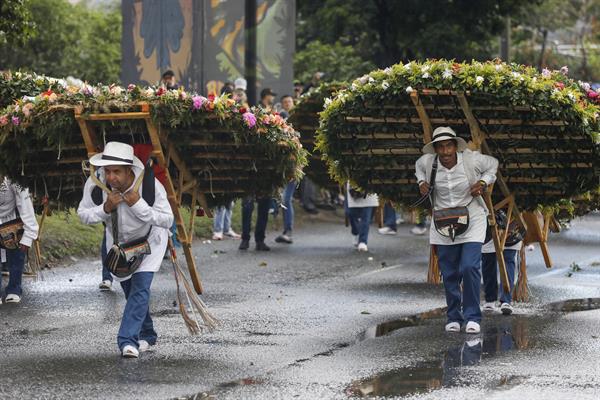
(105, 285)
(386, 230)
(217, 236)
(452, 327)
(363, 247)
(506, 309)
(232, 234)
(355, 240)
(489, 306)
(530, 247)
(399, 220)
(130, 352)
(13, 298)
(472, 327)
(143, 345)
(418, 231)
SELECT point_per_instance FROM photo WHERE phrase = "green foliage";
(371, 134)
(72, 40)
(339, 62)
(63, 234)
(16, 25)
(387, 31)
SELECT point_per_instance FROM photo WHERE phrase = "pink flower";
(197, 102)
(27, 109)
(266, 120)
(592, 95)
(16, 121)
(3, 120)
(546, 73)
(249, 119)
(130, 87)
(559, 85)
(564, 70)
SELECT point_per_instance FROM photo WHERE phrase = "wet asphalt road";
(300, 322)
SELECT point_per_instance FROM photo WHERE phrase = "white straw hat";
(444, 133)
(240, 83)
(116, 153)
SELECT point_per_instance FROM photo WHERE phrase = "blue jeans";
(106, 276)
(261, 218)
(222, 219)
(489, 269)
(389, 217)
(461, 263)
(16, 262)
(136, 323)
(360, 220)
(288, 211)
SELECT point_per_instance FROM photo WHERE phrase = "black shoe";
(311, 210)
(244, 245)
(261, 246)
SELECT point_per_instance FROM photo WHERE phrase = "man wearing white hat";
(455, 178)
(136, 236)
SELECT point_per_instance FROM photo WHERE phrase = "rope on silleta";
(196, 305)
(521, 292)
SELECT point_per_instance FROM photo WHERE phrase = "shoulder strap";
(149, 184)
(434, 168)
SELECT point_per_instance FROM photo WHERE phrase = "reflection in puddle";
(222, 386)
(390, 326)
(446, 372)
(575, 305)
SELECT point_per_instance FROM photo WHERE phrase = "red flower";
(559, 85)
(161, 91)
(592, 95)
(47, 93)
(243, 110)
(211, 97)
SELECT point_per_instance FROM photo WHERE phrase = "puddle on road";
(575, 305)
(390, 326)
(223, 386)
(446, 371)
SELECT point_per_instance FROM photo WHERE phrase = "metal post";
(250, 50)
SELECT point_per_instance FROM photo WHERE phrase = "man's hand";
(424, 188)
(478, 189)
(23, 248)
(131, 197)
(112, 201)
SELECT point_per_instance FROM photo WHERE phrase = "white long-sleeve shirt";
(452, 189)
(134, 221)
(13, 198)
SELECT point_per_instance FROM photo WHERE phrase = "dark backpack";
(148, 188)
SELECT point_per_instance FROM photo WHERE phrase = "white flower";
(425, 68)
(516, 75)
(534, 79)
(354, 86)
(585, 86)
(546, 73)
(385, 85)
(498, 67)
(447, 74)
(479, 79)
(115, 90)
(572, 97)
(327, 102)
(426, 75)
(363, 79)
(407, 66)
(371, 80)
(409, 90)
(564, 70)
(149, 92)
(585, 122)
(388, 70)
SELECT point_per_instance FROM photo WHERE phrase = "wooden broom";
(521, 292)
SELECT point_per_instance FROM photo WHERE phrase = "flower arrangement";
(260, 150)
(305, 117)
(543, 127)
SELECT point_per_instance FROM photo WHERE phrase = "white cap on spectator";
(240, 83)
